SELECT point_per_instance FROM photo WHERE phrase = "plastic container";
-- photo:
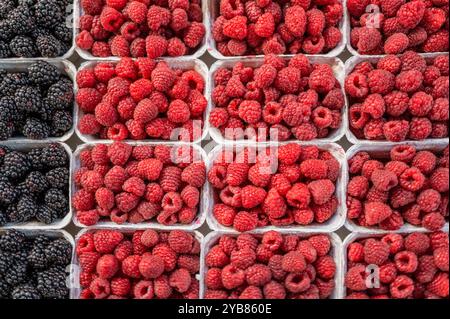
(75, 288)
(336, 251)
(354, 237)
(21, 65)
(78, 12)
(213, 13)
(349, 66)
(34, 224)
(183, 64)
(333, 224)
(383, 151)
(335, 63)
(202, 207)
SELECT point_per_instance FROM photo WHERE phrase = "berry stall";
(224, 149)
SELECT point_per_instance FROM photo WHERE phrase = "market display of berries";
(270, 266)
(258, 27)
(281, 100)
(34, 185)
(35, 28)
(399, 98)
(411, 266)
(141, 28)
(405, 186)
(394, 26)
(141, 99)
(135, 184)
(293, 185)
(144, 264)
(33, 267)
(36, 103)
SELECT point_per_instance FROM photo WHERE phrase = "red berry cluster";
(138, 265)
(270, 266)
(122, 183)
(394, 26)
(292, 185)
(277, 27)
(410, 266)
(139, 99)
(399, 98)
(405, 186)
(279, 99)
(141, 28)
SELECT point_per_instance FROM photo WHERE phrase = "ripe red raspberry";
(396, 43)
(374, 105)
(376, 212)
(314, 169)
(321, 191)
(315, 22)
(107, 266)
(358, 187)
(409, 81)
(232, 277)
(410, 14)
(375, 252)
(250, 111)
(433, 221)
(384, 180)
(420, 128)
(295, 19)
(402, 287)
(180, 280)
(235, 28)
(322, 78)
(440, 285)
(245, 221)
(265, 25)
(325, 267)
(412, 179)
(288, 80)
(105, 241)
(356, 85)
(258, 275)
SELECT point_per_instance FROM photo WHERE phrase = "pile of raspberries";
(136, 184)
(35, 103)
(394, 26)
(294, 185)
(34, 266)
(410, 266)
(270, 266)
(406, 185)
(260, 27)
(140, 99)
(139, 265)
(399, 98)
(281, 99)
(34, 185)
(141, 28)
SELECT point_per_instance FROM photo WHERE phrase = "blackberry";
(6, 260)
(55, 155)
(5, 7)
(3, 151)
(17, 273)
(27, 292)
(36, 182)
(56, 199)
(5, 52)
(8, 109)
(28, 3)
(3, 218)
(37, 258)
(22, 19)
(28, 99)
(59, 252)
(47, 215)
(11, 82)
(26, 208)
(12, 241)
(49, 46)
(5, 289)
(15, 165)
(58, 177)
(60, 95)
(63, 33)
(23, 47)
(35, 159)
(7, 30)
(8, 193)
(48, 13)
(61, 123)
(52, 283)
(46, 112)
(43, 73)
(6, 130)
(36, 129)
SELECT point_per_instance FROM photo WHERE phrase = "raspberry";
(412, 179)
(107, 266)
(440, 256)
(265, 75)
(355, 278)
(409, 81)
(402, 287)
(439, 180)
(368, 39)
(358, 187)
(322, 79)
(232, 277)
(274, 290)
(396, 43)
(321, 191)
(235, 28)
(295, 19)
(439, 286)
(384, 180)
(288, 80)
(314, 169)
(410, 14)
(356, 85)
(375, 252)
(439, 110)
(299, 196)
(265, 25)
(374, 105)
(250, 111)
(376, 212)
(355, 252)
(433, 221)
(105, 241)
(420, 128)
(245, 221)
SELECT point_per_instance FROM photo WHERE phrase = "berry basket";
(333, 224)
(338, 69)
(75, 288)
(35, 225)
(65, 67)
(78, 11)
(349, 66)
(183, 64)
(354, 237)
(203, 204)
(383, 150)
(212, 238)
(213, 12)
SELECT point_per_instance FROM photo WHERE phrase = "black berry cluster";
(34, 185)
(33, 268)
(37, 103)
(35, 28)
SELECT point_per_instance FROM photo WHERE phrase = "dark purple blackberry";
(5, 289)
(17, 273)
(43, 73)
(58, 177)
(6, 130)
(57, 200)
(36, 182)
(47, 215)
(8, 193)
(6, 260)
(37, 258)
(63, 33)
(59, 252)
(26, 292)
(55, 155)
(49, 13)
(49, 46)
(61, 123)
(26, 208)
(8, 109)
(23, 47)
(5, 52)
(23, 20)
(3, 218)
(28, 99)
(6, 6)
(52, 283)
(60, 95)
(12, 241)
(15, 165)
(7, 30)
(36, 129)
(35, 159)
(11, 82)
